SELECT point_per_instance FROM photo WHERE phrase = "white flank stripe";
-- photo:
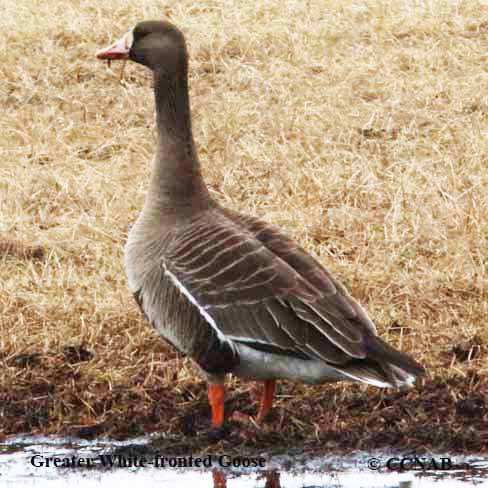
(192, 300)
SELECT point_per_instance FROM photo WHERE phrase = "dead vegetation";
(358, 127)
(19, 250)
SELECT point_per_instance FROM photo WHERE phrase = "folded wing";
(261, 289)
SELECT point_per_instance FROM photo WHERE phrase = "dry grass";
(358, 127)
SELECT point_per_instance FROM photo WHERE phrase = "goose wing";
(259, 288)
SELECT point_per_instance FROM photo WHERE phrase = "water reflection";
(271, 478)
(292, 471)
(478, 476)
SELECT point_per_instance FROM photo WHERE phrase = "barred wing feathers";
(263, 290)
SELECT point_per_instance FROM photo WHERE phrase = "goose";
(230, 291)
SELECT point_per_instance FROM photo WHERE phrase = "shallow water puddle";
(55, 462)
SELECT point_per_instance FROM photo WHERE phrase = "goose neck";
(176, 179)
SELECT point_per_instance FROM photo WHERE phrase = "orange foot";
(264, 406)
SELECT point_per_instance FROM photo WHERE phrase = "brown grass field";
(359, 127)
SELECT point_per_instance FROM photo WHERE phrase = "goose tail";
(399, 368)
(383, 366)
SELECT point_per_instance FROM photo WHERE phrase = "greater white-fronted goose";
(229, 290)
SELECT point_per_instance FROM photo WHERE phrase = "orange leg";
(219, 479)
(266, 399)
(216, 395)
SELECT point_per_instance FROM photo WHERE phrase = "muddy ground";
(437, 414)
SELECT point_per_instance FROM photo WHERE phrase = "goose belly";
(169, 312)
(260, 365)
(153, 292)
(174, 316)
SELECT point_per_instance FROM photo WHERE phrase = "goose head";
(155, 44)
